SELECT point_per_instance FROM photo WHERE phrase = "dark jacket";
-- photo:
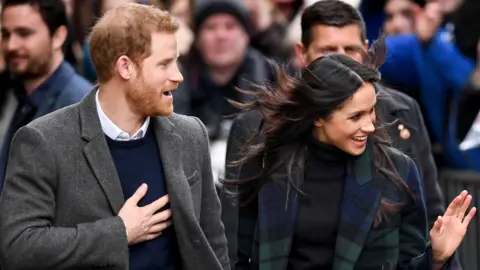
(198, 96)
(438, 70)
(62, 194)
(397, 108)
(65, 87)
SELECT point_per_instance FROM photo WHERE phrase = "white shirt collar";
(113, 131)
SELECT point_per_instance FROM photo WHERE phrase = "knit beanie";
(203, 9)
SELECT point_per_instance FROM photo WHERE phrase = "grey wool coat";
(59, 206)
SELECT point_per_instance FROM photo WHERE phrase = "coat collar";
(45, 96)
(90, 121)
(277, 216)
(394, 107)
(360, 202)
(391, 105)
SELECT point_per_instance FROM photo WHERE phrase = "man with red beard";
(117, 180)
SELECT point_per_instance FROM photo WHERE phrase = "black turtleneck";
(313, 244)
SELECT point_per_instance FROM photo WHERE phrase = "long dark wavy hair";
(289, 109)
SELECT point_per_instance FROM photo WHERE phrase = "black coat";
(198, 96)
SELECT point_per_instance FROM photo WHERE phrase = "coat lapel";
(276, 217)
(170, 147)
(399, 140)
(392, 111)
(360, 202)
(97, 152)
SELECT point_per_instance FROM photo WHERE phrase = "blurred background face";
(348, 128)
(222, 41)
(399, 17)
(26, 41)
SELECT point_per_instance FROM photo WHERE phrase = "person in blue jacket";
(427, 60)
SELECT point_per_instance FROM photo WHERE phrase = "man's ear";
(319, 123)
(124, 68)
(300, 53)
(365, 45)
(59, 37)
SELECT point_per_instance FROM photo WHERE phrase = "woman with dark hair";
(321, 188)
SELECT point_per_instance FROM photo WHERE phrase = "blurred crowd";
(432, 55)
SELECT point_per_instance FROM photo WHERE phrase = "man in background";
(37, 79)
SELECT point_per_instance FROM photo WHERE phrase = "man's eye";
(355, 117)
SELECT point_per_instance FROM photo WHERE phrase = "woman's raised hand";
(449, 230)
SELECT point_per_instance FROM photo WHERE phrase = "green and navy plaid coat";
(266, 227)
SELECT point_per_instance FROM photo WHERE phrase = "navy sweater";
(138, 162)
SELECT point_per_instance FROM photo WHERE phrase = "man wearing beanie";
(220, 60)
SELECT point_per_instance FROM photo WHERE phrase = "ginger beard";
(149, 101)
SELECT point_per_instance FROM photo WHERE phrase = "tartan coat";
(266, 226)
